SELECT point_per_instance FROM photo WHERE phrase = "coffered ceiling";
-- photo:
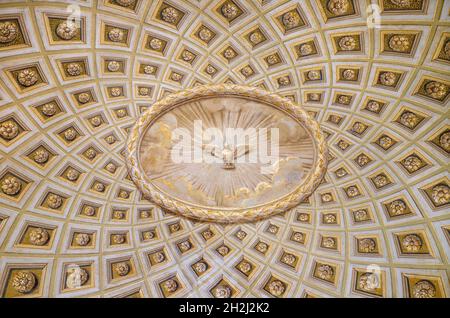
(72, 223)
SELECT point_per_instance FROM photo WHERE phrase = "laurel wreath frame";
(213, 214)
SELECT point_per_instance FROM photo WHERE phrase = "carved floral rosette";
(217, 214)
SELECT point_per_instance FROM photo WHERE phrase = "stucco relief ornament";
(367, 245)
(347, 43)
(447, 50)
(424, 289)
(122, 269)
(148, 235)
(120, 215)
(91, 153)
(41, 156)
(200, 267)
(412, 243)
(304, 217)
(327, 197)
(352, 191)
(9, 129)
(444, 141)
(159, 257)
(116, 91)
(288, 259)
(412, 163)
(314, 97)
(368, 282)
(361, 215)
(343, 144)
(229, 11)
(400, 43)
(187, 56)
(49, 109)
(229, 53)
(116, 35)
(222, 291)
(241, 235)
(24, 282)
(96, 121)
(27, 77)
(74, 69)
(110, 139)
(273, 59)
(205, 34)
(210, 70)
(143, 91)
(358, 127)
(76, 277)
(349, 74)
(124, 194)
(362, 160)
(66, 30)
(223, 250)
(388, 78)
(125, 3)
(284, 81)
(174, 227)
(54, 201)
(373, 106)
(344, 99)
(329, 242)
(170, 285)
(121, 113)
(11, 185)
(401, 3)
(338, 7)
(72, 174)
(305, 49)
(329, 218)
(170, 15)
(83, 98)
(8, 32)
(256, 37)
(111, 167)
(291, 19)
(70, 134)
(99, 187)
(272, 229)
(82, 239)
(176, 77)
(118, 238)
(277, 287)
(440, 194)
(325, 272)
(262, 247)
(409, 119)
(145, 214)
(39, 236)
(380, 180)
(185, 246)
(314, 75)
(245, 267)
(436, 90)
(397, 207)
(89, 210)
(207, 234)
(386, 142)
(247, 71)
(113, 66)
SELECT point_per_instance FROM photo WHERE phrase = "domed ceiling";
(376, 77)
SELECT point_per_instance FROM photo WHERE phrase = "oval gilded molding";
(228, 93)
